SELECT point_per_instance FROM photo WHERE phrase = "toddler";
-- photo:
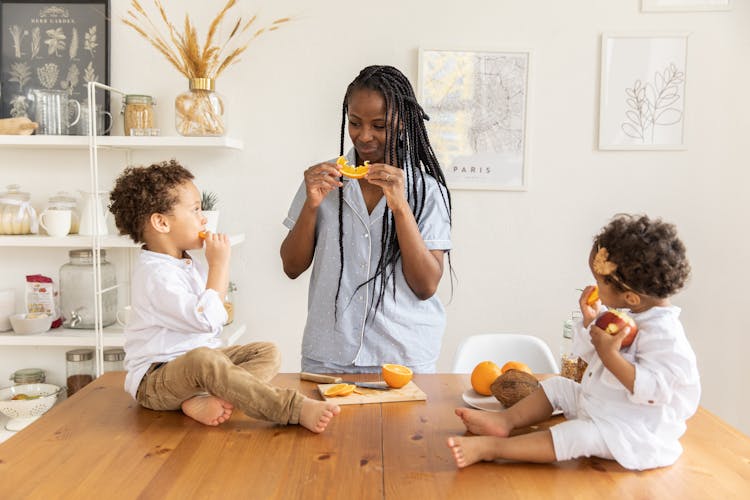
(173, 353)
(632, 403)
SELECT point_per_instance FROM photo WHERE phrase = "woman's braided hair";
(407, 147)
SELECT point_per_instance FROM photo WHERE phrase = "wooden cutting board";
(409, 392)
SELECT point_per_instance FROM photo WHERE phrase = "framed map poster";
(477, 103)
(51, 45)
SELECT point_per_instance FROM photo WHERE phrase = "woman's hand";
(391, 181)
(320, 180)
(589, 311)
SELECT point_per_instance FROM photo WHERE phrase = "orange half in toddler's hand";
(593, 296)
(202, 235)
(351, 171)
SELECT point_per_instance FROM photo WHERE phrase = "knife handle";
(317, 377)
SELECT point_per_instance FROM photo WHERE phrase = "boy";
(173, 353)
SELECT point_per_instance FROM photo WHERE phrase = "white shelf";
(113, 337)
(75, 241)
(118, 141)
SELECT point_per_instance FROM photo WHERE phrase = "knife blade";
(378, 386)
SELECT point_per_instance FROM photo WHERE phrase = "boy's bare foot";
(483, 423)
(208, 410)
(315, 415)
(470, 450)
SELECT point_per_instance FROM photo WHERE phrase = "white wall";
(518, 257)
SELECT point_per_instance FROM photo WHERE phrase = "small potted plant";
(209, 201)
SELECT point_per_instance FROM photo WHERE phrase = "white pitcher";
(91, 204)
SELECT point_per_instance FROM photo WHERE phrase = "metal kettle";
(92, 209)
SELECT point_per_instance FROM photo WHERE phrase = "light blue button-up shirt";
(405, 329)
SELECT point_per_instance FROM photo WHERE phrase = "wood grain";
(100, 444)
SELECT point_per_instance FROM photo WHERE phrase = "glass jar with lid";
(113, 360)
(66, 201)
(138, 114)
(77, 292)
(79, 369)
(17, 216)
(229, 302)
(28, 376)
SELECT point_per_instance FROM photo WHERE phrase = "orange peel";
(350, 170)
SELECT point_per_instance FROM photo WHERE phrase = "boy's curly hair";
(650, 257)
(142, 191)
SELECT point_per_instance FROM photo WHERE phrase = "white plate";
(487, 403)
(476, 400)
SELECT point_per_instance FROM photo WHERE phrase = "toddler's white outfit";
(640, 430)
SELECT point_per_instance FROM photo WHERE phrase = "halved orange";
(350, 170)
(516, 365)
(483, 375)
(396, 375)
(339, 390)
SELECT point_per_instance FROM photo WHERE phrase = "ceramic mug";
(56, 222)
(123, 315)
(7, 308)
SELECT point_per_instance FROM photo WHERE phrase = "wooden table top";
(101, 444)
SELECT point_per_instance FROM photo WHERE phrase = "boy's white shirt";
(173, 313)
(642, 429)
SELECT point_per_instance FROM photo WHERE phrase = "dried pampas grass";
(183, 50)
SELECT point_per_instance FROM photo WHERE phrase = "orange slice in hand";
(202, 235)
(339, 390)
(396, 375)
(593, 296)
(350, 170)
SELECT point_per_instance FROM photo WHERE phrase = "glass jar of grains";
(79, 368)
(138, 114)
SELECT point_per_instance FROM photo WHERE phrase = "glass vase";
(199, 112)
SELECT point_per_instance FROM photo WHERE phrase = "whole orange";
(516, 365)
(483, 375)
(396, 375)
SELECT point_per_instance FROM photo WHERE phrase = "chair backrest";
(504, 347)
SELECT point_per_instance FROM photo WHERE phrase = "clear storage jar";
(17, 216)
(28, 376)
(138, 114)
(77, 293)
(113, 360)
(79, 369)
(66, 201)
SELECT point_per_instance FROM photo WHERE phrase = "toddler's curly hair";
(650, 257)
(142, 191)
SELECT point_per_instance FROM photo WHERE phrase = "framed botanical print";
(51, 46)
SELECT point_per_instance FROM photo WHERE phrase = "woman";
(377, 244)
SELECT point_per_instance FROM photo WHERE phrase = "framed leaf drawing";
(477, 103)
(642, 96)
(684, 5)
(51, 45)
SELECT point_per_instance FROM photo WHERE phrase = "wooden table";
(100, 444)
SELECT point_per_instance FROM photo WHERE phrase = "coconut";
(512, 386)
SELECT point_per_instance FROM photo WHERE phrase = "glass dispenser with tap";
(77, 293)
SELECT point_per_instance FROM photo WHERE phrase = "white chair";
(504, 347)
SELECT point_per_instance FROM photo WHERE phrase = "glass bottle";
(77, 290)
(229, 302)
(568, 360)
(79, 368)
(28, 376)
(113, 360)
(138, 114)
(200, 110)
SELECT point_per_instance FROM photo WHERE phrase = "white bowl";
(26, 326)
(22, 412)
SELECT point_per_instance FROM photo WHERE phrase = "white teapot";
(91, 208)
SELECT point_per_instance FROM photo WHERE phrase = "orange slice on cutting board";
(339, 390)
(350, 170)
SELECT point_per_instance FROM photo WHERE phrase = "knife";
(328, 379)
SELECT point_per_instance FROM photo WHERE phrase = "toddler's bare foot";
(484, 423)
(315, 415)
(208, 410)
(470, 450)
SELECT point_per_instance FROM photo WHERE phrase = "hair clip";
(602, 265)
